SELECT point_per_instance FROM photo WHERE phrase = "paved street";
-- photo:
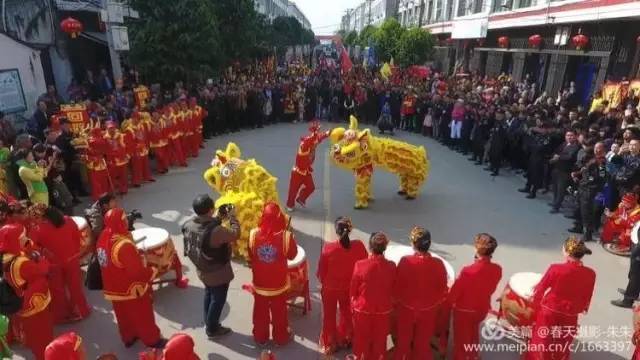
(458, 201)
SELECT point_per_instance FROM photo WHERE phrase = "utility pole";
(113, 54)
(369, 21)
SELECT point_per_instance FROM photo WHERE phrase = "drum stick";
(143, 238)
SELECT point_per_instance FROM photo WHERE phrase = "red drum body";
(86, 240)
(156, 247)
(299, 279)
(515, 305)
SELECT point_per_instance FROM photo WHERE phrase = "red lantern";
(503, 41)
(480, 42)
(580, 41)
(638, 40)
(72, 27)
(535, 41)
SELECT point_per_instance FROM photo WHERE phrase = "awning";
(79, 5)
(100, 38)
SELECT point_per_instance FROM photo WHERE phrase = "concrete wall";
(27, 60)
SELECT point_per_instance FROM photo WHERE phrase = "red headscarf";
(272, 220)
(180, 347)
(65, 347)
(116, 221)
(10, 238)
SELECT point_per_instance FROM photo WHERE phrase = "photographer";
(208, 244)
(95, 214)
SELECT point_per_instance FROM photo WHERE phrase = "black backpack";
(197, 250)
(93, 280)
(10, 302)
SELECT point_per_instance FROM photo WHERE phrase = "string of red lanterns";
(503, 41)
(535, 41)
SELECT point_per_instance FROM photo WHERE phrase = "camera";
(132, 216)
(224, 210)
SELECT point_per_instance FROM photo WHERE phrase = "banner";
(77, 115)
(142, 96)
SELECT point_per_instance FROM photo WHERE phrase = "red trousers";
(336, 333)
(176, 152)
(99, 183)
(136, 320)
(270, 310)
(610, 230)
(187, 147)
(300, 188)
(120, 177)
(466, 333)
(370, 335)
(555, 341)
(35, 331)
(194, 142)
(162, 159)
(415, 329)
(67, 296)
(141, 170)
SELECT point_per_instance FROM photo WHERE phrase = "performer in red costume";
(301, 185)
(126, 282)
(270, 245)
(159, 142)
(470, 297)
(420, 290)
(186, 128)
(198, 116)
(117, 157)
(371, 299)
(60, 239)
(67, 346)
(27, 273)
(620, 222)
(96, 164)
(175, 134)
(139, 135)
(564, 292)
(335, 268)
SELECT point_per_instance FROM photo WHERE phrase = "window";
(462, 7)
(524, 4)
(478, 6)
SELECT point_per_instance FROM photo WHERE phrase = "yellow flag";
(385, 71)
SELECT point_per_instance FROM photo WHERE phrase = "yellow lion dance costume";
(359, 151)
(246, 185)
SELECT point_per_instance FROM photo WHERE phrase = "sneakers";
(623, 303)
(160, 344)
(221, 331)
(289, 209)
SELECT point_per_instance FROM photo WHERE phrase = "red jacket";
(336, 264)
(421, 282)
(476, 283)
(117, 152)
(96, 152)
(307, 152)
(29, 279)
(372, 285)
(61, 244)
(570, 287)
(269, 257)
(124, 276)
(139, 138)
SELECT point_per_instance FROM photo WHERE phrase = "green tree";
(414, 47)
(387, 37)
(351, 38)
(175, 40)
(240, 27)
(366, 34)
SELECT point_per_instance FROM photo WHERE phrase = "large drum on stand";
(86, 239)
(157, 249)
(439, 342)
(515, 303)
(298, 272)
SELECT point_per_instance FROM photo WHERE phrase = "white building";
(21, 77)
(276, 8)
(369, 12)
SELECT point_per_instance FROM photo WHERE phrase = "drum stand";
(510, 332)
(306, 304)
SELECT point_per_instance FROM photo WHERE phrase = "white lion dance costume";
(359, 151)
(245, 184)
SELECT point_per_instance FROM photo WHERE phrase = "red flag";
(347, 65)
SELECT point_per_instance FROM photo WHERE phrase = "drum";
(397, 252)
(515, 303)
(635, 233)
(86, 241)
(156, 247)
(299, 278)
